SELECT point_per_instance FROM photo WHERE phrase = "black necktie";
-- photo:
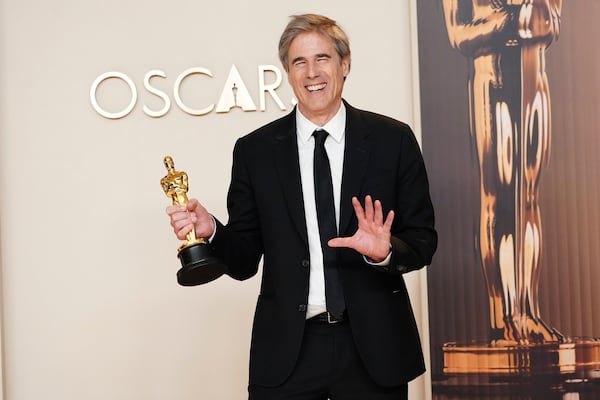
(327, 225)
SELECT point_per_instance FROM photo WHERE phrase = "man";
(333, 318)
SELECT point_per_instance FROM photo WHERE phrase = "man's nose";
(313, 70)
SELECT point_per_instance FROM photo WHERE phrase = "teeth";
(314, 88)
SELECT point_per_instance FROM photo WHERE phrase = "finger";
(181, 223)
(378, 213)
(180, 216)
(369, 208)
(170, 210)
(193, 205)
(340, 242)
(388, 221)
(182, 233)
(358, 210)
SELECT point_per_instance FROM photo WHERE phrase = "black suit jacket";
(266, 219)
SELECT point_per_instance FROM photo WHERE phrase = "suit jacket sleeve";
(414, 239)
(239, 243)
(397, 176)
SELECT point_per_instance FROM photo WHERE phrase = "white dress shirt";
(334, 145)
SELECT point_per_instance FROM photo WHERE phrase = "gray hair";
(313, 23)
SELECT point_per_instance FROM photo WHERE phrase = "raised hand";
(372, 238)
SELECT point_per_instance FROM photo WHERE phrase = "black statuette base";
(199, 266)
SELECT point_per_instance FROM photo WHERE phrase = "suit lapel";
(288, 168)
(356, 156)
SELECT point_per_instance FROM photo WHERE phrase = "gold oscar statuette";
(198, 264)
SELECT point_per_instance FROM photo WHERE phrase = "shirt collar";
(335, 127)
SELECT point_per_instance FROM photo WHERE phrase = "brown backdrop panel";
(569, 191)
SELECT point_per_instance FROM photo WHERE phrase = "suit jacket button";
(302, 307)
(305, 263)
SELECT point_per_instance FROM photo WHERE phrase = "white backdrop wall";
(91, 308)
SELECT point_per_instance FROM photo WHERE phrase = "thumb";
(192, 205)
(340, 242)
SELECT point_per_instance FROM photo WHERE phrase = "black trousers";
(328, 368)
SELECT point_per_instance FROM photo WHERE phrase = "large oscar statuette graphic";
(505, 42)
(198, 265)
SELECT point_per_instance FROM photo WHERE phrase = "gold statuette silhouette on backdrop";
(198, 265)
(509, 108)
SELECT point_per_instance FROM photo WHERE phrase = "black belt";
(326, 317)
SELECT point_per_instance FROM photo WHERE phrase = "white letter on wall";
(180, 78)
(159, 93)
(263, 88)
(235, 94)
(94, 100)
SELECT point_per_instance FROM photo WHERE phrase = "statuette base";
(199, 266)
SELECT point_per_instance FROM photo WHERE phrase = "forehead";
(308, 44)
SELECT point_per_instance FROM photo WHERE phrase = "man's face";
(316, 74)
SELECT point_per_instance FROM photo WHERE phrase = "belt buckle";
(330, 320)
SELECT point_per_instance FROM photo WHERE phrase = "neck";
(319, 118)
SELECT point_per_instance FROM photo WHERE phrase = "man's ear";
(346, 65)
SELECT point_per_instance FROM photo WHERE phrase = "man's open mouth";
(316, 88)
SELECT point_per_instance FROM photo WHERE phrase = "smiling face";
(316, 74)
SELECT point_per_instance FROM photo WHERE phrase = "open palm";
(372, 238)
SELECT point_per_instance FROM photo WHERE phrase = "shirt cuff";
(384, 263)
(210, 239)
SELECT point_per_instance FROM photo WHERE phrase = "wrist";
(383, 261)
